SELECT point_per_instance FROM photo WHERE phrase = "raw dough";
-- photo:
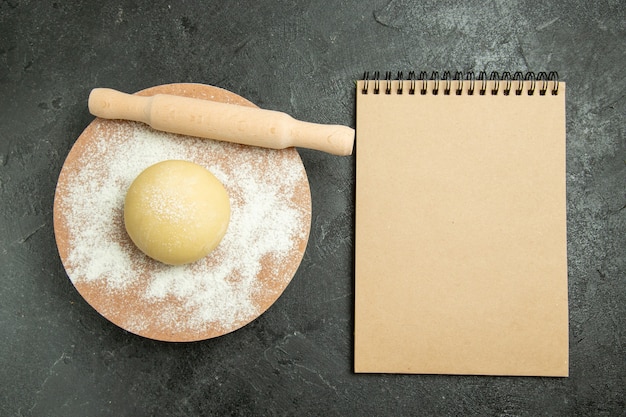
(176, 212)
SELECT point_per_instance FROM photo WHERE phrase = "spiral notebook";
(460, 244)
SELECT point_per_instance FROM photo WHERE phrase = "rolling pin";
(221, 121)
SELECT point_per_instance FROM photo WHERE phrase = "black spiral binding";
(418, 83)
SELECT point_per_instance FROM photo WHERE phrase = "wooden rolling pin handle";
(221, 121)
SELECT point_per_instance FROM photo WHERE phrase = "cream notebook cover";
(461, 249)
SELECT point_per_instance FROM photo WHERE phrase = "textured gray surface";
(60, 358)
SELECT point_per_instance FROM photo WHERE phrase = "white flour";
(217, 291)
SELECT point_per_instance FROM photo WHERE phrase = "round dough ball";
(176, 212)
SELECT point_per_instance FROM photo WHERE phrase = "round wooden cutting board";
(233, 285)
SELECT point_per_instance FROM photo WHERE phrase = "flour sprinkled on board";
(256, 259)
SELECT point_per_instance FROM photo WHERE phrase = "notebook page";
(460, 250)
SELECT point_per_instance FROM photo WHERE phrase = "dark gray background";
(58, 357)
